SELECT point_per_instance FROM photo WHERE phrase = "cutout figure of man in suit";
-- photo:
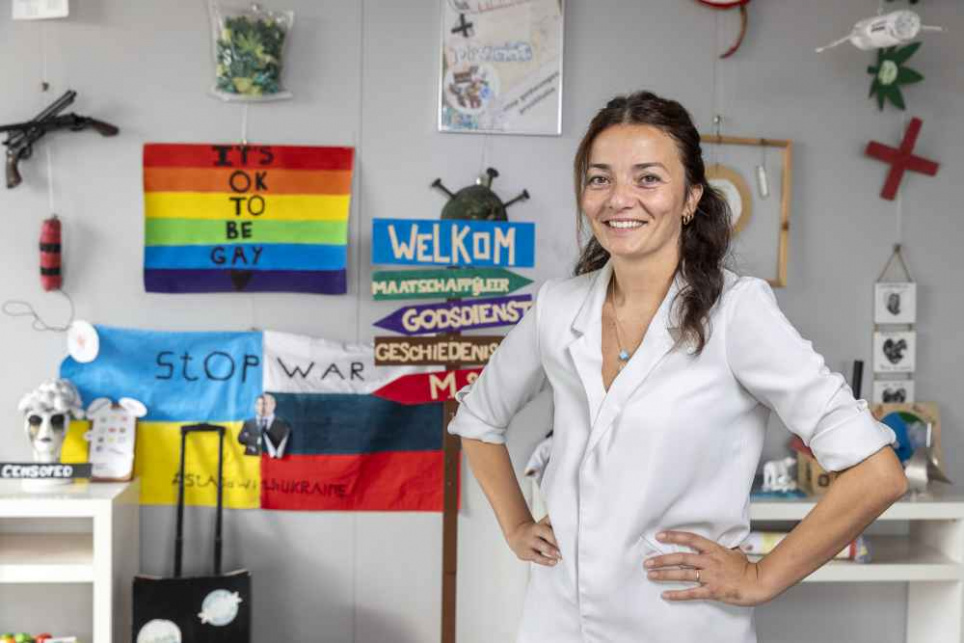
(265, 432)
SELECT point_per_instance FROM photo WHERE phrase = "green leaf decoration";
(896, 98)
(248, 54)
(902, 54)
(889, 75)
(907, 76)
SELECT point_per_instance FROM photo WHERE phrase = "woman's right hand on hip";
(535, 542)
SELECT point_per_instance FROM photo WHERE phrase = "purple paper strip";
(327, 282)
(445, 317)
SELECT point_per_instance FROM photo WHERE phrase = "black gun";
(22, 136)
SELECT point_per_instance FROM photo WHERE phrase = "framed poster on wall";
(501, 67)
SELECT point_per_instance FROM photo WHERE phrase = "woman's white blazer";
(673, 444)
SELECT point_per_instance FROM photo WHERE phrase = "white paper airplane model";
(886, 30)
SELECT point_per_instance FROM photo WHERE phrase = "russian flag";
(347, 450)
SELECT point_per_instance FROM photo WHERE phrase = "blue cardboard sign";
(453, 242)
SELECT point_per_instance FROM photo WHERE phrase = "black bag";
(205, 609)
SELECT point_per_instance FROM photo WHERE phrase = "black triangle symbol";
(240, 278)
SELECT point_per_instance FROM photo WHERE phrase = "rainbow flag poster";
(254, 218)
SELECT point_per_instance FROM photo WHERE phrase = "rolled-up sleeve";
(512, 377)
(782, 370)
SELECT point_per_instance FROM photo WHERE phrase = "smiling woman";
(663, 367)
(644, 149)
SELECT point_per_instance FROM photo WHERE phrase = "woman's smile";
(625, 224)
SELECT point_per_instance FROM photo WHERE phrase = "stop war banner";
(306, 429)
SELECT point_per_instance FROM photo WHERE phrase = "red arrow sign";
(425, 388)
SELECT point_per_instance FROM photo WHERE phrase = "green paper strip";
(184, 232)
(445, 283)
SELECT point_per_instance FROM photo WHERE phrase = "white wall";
(363, 73)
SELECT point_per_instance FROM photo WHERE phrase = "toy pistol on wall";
(22, 136)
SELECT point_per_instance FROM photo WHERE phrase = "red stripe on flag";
(263, 157)
(387, 481)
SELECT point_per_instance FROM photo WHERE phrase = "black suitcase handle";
(179, 538)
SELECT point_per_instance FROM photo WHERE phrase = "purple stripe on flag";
(327, 282)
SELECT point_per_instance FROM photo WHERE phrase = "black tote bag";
(196, 609)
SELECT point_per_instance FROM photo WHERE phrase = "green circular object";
(476, 203)
(888, 72)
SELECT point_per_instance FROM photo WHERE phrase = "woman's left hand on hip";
(723, 574)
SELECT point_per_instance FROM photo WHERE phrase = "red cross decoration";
(901, 159)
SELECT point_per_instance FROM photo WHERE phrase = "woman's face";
(635, 192)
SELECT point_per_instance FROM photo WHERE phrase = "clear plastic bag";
(249, 46)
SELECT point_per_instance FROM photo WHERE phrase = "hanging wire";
(358, 176)
(44, 86)
(20, 308)
(244, 124)
(484, 156)
(50, 177)
(716, 73)
(900, 199)
(358, 267)
(899, 255)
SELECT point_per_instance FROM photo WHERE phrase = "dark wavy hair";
(704, 242)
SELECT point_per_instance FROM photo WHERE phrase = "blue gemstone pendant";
(624, 355)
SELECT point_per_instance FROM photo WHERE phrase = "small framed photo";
(895, 351)
(893, 392)
(895, 303)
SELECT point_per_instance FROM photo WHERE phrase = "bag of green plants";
(249, 46)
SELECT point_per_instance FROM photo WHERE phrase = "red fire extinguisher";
(50, 274)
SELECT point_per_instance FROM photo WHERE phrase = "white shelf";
(43, 540)
(936, 505)
(894, 560)
(46, 558)
(930, 559)
(79, 499)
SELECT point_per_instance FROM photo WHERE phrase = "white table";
(81, 533)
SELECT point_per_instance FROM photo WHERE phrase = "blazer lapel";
(586, 348)
(659, 339)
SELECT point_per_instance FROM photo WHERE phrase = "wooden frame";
(787, 146)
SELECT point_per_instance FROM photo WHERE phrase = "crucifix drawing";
(464, 28)
(901, 159)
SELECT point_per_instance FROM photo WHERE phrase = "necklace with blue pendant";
(624, 354)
